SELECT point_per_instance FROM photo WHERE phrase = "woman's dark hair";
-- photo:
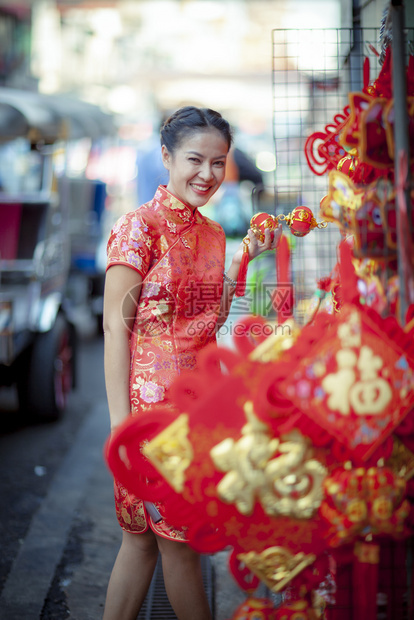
(189, 120)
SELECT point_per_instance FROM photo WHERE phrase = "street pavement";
(63, 564)
(79, 506)
(64, 561)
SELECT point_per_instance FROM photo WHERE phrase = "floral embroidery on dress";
(139, 382)
(161, 308)
(151, 392)
(166, 345)
(135, 260)
(172, 226)
(187, 360)
(136, 229)
(186, 216)
(130, 242)
(163, 244)
(151, 290)
(118, 225)
(174, 203)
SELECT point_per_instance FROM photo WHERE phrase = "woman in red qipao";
(166, 295)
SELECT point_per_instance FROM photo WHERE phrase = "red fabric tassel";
(365, 581)
(283, 297)
(324, 284)
(348, 277)
(366, 73)
(242, 275)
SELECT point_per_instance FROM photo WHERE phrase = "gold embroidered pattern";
(401, 460)
(357, 383)
(171, 452)
(271, 349)
(276, 566)
(289, 484)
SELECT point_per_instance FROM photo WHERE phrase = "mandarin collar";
(175, 204)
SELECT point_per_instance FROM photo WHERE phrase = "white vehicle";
(37, 338)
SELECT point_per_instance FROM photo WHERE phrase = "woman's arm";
(256, 247)
(122, 291)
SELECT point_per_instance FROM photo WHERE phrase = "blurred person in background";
(161, 258)
(229, 207)
(151, 170)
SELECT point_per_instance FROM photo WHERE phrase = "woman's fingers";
(278, 233)
(268, 239)
(256, 247)
(254, 242)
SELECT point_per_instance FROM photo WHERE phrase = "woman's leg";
(183, 580)
(131, 576)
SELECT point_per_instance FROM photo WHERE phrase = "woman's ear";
(166, 157)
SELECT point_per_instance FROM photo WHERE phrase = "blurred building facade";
(141, 58)
(130, 55)
(137, 57)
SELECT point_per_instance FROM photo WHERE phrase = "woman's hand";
(257, 247)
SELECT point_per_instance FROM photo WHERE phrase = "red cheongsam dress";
(180, 256)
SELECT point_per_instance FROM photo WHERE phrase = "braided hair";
(189, 120)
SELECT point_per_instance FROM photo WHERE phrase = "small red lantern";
(301, 221)
(261, 221)
(258, 224)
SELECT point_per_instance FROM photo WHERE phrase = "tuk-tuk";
(37, 336)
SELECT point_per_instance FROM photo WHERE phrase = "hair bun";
(189, 119)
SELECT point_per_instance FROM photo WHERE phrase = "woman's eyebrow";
(202, 156)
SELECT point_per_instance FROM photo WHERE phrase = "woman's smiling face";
(197, 167)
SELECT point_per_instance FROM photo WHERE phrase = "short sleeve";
(130, 243)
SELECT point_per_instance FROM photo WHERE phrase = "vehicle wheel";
(45, 382)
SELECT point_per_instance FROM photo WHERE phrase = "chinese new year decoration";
(300, 456)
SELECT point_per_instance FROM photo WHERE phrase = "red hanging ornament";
(283, 302)
(301, 221)
(330, 382)
(258, 224)
(366, 71)
(348, 163)
(255, 609)
(322, 148)
(241, 573)
(365, 570)
(261, 221)
(244, 265)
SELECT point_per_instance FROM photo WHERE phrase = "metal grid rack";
(313, 72)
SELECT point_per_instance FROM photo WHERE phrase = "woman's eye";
(220, 164)
(195, 159)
